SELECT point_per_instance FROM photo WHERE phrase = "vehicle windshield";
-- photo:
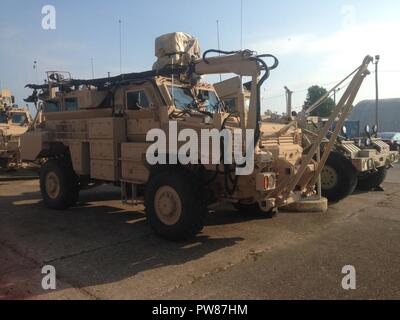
(210, 100)
(18, 118)
(386, 135)
(182, 97)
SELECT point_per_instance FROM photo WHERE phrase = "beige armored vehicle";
(97, 130)
(14, 122)
(362, 163)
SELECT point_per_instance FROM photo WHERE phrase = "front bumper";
(363, 164)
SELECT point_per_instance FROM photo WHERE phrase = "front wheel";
(175, 205)
(58, 184)
(338, 177)
(371, 180)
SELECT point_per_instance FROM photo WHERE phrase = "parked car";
(392, 139)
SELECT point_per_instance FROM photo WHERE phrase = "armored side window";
(71, 104)
(51, 107)
(3, 117)
(136, 100)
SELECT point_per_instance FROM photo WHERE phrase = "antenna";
(91, 60)
(241, 24)
(120, 46)
(35, 67)
(219, 46)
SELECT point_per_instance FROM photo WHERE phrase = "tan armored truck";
(362, 163)
(14, 122)
(102, 130)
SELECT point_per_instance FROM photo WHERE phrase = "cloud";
(330, 57)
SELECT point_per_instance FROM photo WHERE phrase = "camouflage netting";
(175, 48)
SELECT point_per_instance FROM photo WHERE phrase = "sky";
(317, 42)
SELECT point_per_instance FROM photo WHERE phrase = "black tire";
(371, 180)
(67, 182)
(254, 209)
(189, 196)
(339, 177)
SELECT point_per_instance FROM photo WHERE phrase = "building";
(388, 114)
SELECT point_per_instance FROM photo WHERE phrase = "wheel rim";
(168, 206)
(52, 185)
(329, 177)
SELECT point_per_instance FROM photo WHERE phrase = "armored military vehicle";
(14, 122)
(360, 163)
(98, 130)
(352, 163)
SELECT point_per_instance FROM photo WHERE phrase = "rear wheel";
(254, 209)
(175, 205)
(338, 177)
(372, 180)
(58, 184)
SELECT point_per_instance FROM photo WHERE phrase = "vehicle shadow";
(96, 243)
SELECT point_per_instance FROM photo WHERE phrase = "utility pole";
(377, 58)
(288, 101)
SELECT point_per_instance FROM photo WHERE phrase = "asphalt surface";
(102, 249)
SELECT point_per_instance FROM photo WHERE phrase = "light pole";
(334, 94)
(377, 58)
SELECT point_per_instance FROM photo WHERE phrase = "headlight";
(271, 182)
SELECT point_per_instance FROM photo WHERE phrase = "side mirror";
(294, 114)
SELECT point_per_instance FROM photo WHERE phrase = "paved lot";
(104, 250)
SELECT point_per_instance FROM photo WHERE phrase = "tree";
(325, 109)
